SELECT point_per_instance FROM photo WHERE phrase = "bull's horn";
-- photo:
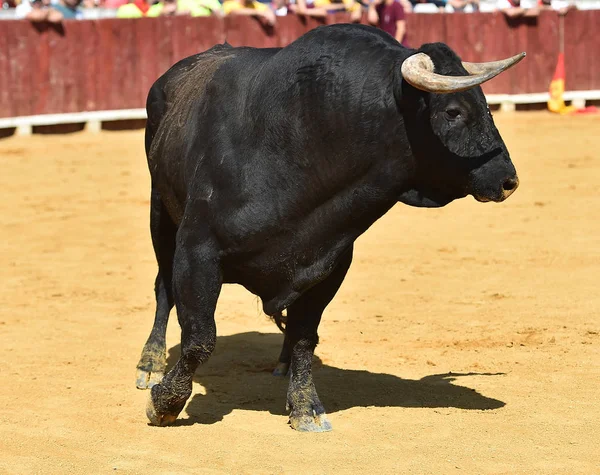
(502, 65)
(418, 72)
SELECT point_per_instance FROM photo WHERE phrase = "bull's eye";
(453, 114)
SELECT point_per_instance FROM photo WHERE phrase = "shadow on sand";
(238, 376)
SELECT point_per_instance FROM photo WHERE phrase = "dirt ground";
(464, 339)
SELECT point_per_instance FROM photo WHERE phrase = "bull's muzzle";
(508, 188)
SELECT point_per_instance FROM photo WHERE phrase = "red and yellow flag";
(556, 102)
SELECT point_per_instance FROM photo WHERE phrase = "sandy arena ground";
(464, 339)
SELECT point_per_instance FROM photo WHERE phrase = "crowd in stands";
(386, 14)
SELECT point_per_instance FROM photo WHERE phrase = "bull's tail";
(280, 320)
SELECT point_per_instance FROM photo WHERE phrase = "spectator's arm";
(372, 16)
(315, 12)
(301, 9)
(37, 15)
(408, 8)
(513, 12)
(400, 30)
(54, 16)
(267, 15)
(532, 12)
(169, 9)
(355, 10)
(565, 10)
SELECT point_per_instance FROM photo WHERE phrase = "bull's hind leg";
(196, 283)
(307, 413)
(285, 357)
(151, 367)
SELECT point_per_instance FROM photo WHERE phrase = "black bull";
(266, 166)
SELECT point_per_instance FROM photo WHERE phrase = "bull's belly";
(280, 274)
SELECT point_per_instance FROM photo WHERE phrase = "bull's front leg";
(307, 413)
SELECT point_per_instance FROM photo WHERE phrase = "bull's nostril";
(510, 184)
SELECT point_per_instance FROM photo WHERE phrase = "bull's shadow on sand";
(238, 376)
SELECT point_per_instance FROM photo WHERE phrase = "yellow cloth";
(233, 5)
(199, 7)
(556, 102)
(155, 10)
(129, 10)
(350, 5)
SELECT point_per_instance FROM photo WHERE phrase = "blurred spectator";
(389, 16)
(464, 5)
(250, 8)
(38, 10)
(408, 7)
(321, 8)
(114, 4)
(307, 8)
(45, 10)
(281, 7)
(69, 9)
(166, 8)
(561, 6)
(133, 9)
(517, 8)
(201, 7)
(419, 4)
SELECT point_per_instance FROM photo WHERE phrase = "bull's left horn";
(502, 65)
(418, 69)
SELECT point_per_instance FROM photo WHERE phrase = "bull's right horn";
(418, 69)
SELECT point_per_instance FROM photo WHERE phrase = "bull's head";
(457, 147)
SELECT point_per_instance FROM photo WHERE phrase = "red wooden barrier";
(582, 45)
(110, 64)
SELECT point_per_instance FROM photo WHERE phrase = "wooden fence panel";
(6, 92)
(248, 31)
(291, 27)
(542, 52)
(111, 63)
(20, 41)
(425, 28)
(496, 33)
(39, 70)
(582, 46)
(148, 66)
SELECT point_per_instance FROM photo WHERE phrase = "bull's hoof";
(146, 379)
(151, 367)
(281, 369)
(155, 411)
(305, 423)
(157, 419)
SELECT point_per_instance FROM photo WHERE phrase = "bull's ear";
(418, 71)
